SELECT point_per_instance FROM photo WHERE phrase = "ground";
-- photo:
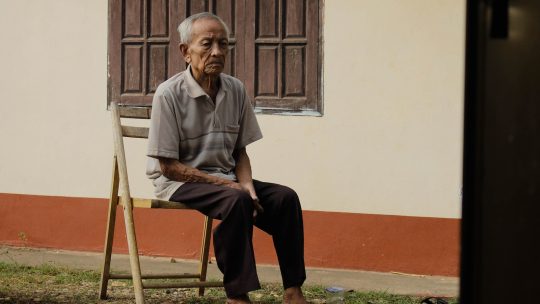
(54, 284)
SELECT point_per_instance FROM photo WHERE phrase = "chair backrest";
(120, 176)
(131, 112)
(119, 132)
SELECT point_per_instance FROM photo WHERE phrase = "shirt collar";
(193, 88)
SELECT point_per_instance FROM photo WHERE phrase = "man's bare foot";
(293, 295)
(243, 299)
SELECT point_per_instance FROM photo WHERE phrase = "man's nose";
(217, 50)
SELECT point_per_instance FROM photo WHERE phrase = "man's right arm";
(175, 170)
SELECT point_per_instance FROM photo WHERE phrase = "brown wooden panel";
(313, 56)
(133, 18)
(178, 12)
(157, 66)
(266, 70)
(158, 12)
(241, 21)
(283, 104)
(295, 20)
(114, 48)
(294, 70)
(267, 18)
(225, 9)
(230, 62)
(198, 6)
(132, 69)
(249, 18)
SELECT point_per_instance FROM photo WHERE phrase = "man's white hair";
(185, 28)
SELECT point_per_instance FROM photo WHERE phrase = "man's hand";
(243, 173)
(258, 208)
(234, 185)
(251, 190)
(248, 187)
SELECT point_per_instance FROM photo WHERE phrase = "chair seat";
(156, 204)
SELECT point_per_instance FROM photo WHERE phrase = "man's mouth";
(214, 67)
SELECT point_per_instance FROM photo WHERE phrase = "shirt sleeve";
(163, 136)
(249, 127)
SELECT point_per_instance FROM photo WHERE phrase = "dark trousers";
(233, 247)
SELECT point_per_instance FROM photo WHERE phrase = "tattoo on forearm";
(175, 170)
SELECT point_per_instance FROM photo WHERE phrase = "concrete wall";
(389, 142)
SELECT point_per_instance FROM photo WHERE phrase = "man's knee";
(240, 200)
(290, 194)
(288, 198)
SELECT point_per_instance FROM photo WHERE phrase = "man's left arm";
(244, 176)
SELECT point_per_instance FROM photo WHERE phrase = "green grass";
(47, 272)
(53, 284)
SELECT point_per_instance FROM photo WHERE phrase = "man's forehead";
(208, 27)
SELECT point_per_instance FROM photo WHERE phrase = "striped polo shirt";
(188, 126)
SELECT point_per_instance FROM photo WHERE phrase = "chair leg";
(127, 205)
(133, 255)
(109, 233)
(205, 248)
(105, 270)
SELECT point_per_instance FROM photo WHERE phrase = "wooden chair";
(120, 182)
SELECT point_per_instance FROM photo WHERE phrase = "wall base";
(381, 243)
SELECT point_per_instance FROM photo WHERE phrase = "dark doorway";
(501, 199)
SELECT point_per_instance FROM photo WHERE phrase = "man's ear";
(184, 51)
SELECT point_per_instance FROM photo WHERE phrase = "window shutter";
(139, 49)
(143, 44)
(274, 49)
(282, 55)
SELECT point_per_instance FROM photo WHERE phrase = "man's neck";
(209, 83)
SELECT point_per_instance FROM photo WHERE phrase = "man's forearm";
(243, 168)
(245, 179)
(175, 170)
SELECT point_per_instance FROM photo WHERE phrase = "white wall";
(53, 81)
(389, 142)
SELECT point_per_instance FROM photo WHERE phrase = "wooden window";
(275, 49)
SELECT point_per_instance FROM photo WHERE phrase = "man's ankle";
(241, 299)
(294, 295)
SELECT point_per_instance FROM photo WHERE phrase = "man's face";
(208, 48)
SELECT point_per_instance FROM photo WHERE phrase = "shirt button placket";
(214, 113)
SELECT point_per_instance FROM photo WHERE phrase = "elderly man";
(202, 121)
